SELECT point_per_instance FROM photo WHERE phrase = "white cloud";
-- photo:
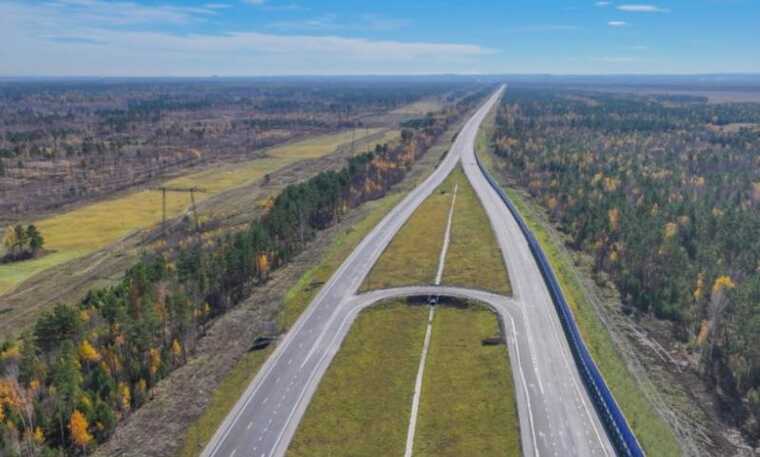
(642, 9)
(120, 13)
(331, 22)
(603, 3)
(49, 40)
(617, 24)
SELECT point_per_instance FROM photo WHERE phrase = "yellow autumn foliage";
(78, 426)
(614, 217)
(671, 229)
(154, 360)
(176, 347)
(125, 396)
(723, 282)
(88, 353)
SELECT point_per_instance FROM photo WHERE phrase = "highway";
(556, 416)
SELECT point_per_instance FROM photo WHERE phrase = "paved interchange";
(555, 412)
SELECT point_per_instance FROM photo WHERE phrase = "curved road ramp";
(564, 406)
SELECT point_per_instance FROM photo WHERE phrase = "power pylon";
(191, 191)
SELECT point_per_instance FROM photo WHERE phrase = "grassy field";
(412, 256)
(467, 406)
(419, 108)
(95, 226)
(223, 399)
(362, 405)
(474, 258)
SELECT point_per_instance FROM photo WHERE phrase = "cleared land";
(473, 259)
(362, 406)
(95, 226)
(467, 405)
(419, 108)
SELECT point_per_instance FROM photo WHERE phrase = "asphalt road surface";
(556, 415)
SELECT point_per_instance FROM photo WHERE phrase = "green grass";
(412, 256)
(92, 227)
(419, 108)
(224, 398)
(467, 404)
(362, 405)
(474, 258)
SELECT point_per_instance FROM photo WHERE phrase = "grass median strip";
(362, 405)
(92, 227)
(412, 256)
(474, 258)
(468, 403)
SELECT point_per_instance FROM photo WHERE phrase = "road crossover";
(555, 413)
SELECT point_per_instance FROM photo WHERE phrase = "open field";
(95, 226)
(419, 108)
(362, 405)
(468, 404)
(474, 258)
(223, 399)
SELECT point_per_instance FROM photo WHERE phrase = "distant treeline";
(66, 385)
(667, 201)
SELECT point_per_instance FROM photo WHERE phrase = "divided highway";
(556, 415)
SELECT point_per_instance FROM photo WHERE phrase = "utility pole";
(191, 191)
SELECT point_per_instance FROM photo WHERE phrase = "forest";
(65, 141)
(664, 193)
(67, 383)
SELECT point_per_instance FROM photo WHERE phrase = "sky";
(335, 37)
